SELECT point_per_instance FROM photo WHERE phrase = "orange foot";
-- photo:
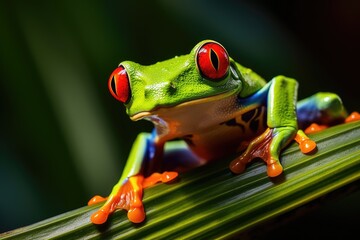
(258, 148)
(129, 197)
(267, 147)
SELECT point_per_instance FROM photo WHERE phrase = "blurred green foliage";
(64, 138)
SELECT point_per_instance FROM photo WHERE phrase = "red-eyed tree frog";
(209, 106)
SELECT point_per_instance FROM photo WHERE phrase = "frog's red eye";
(213, 61)
(119, 84)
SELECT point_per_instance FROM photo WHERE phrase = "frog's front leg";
(127, 193)
(282, 128)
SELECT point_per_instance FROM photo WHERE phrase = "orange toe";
(237, 166)
(136, 215)
(157, 177)
(274, 169)
(313, 128)
(307, 146)
(96, 199)
(354, 116)
(99, 217)
(168, 176)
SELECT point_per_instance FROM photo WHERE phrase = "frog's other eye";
(119, 84)
(213, 61)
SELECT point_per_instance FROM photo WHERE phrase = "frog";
(206, 106)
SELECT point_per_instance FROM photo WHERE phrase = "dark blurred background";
(63, 138)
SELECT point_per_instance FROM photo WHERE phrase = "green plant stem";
(210, 202)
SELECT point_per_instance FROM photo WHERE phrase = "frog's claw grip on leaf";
(129, 197)
(265, 148)
(259, 148)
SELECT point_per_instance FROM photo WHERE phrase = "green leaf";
(210, 202)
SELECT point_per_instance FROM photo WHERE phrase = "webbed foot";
(128, 197)
(268, 146)
(264, 147)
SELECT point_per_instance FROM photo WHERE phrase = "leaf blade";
(211, 202)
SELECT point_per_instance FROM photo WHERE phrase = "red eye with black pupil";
(213, 61)
(119, 84)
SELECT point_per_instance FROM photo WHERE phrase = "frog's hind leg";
(320, 111)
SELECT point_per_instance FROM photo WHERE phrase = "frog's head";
(206, 72)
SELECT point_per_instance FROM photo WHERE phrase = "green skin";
(175, 96)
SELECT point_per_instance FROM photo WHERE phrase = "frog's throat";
(214, 98)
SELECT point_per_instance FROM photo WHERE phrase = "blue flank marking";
(307, 111)
(258, 98)
(150, 146)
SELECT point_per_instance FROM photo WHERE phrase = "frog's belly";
(213, 128)
(228, 137)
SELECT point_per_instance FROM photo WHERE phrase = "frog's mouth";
(187, 105)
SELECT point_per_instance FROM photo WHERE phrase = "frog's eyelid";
(234, 73)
